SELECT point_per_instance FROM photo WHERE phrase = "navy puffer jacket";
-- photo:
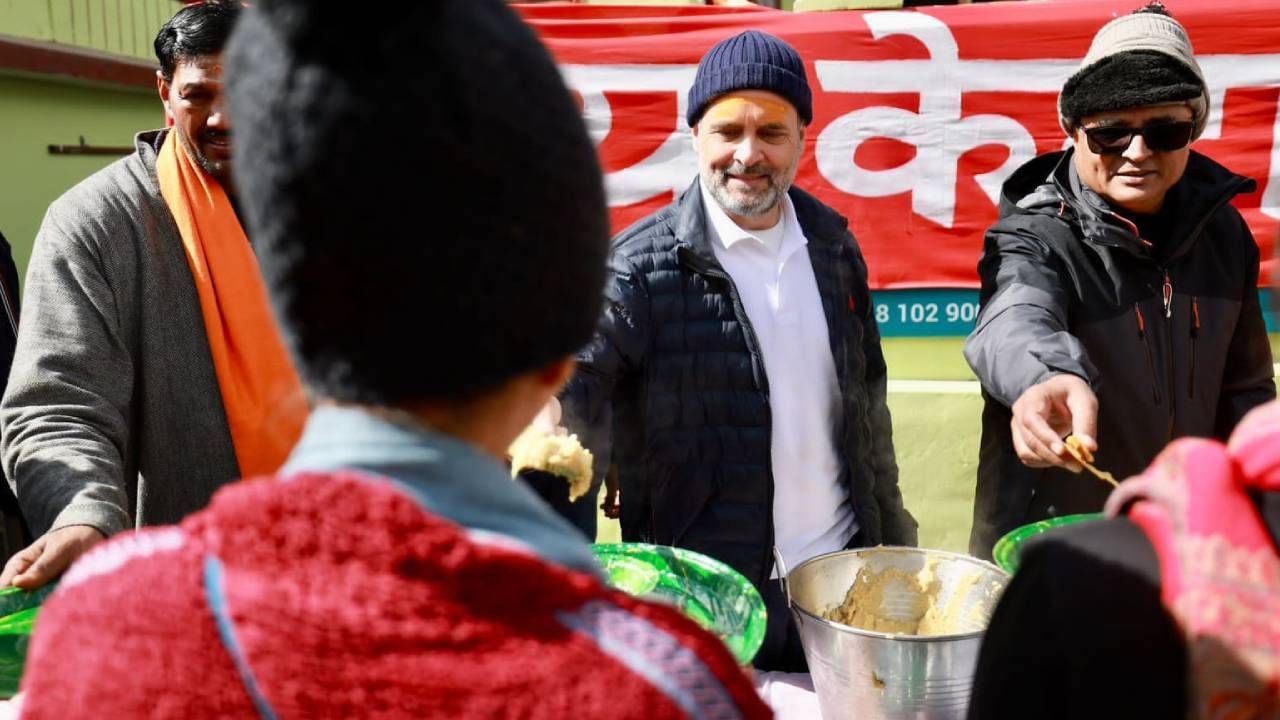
(673, 389)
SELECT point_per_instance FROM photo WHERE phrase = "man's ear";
(162, 87)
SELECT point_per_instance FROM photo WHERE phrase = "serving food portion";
(555, 453)
(1084, 456)
(546, 446)
(904, 602)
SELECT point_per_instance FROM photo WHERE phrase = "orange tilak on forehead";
(733, 107)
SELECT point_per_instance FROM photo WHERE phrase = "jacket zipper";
(762, 386)
(1195, 333)
(762, 383)
(1168, 290)
(1167, 294)
(1151, 364)
(740, 312)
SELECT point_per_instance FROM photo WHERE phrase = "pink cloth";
(1220, 572)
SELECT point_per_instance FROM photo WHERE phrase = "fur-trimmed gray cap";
(1136, 60)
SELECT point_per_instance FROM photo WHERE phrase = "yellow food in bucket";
(896, 601)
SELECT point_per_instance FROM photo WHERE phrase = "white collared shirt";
(812, 512)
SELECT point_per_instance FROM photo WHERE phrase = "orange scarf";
(265, 404)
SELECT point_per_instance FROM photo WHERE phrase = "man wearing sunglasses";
(1119, 288)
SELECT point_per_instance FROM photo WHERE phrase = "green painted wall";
(36, 113)
(122, 27)
(936, 439)
(926, 358)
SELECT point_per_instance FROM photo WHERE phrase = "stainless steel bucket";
(867, 675)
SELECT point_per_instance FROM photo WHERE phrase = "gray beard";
(745, 206)
(716, 182)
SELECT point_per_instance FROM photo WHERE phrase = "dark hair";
(1154, 8)
(425, 265)
(193, 31)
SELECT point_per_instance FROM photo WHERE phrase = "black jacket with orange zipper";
(1170, 337)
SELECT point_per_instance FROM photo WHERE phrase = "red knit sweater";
(338, 596)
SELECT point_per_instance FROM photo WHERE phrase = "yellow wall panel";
(26, 19)
(120, 27)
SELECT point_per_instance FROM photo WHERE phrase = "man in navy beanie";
(736, 379)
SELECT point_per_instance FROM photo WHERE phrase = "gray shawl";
(112, 417)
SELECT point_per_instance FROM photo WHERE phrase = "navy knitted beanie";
(421, 192)
(751, 61)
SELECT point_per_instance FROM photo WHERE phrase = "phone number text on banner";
(951, 313)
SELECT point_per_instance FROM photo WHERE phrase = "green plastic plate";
(1008, 549)
(18, 610)
(715, 595)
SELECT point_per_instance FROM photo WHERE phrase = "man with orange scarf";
(149, 371)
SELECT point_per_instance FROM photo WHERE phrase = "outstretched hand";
(1048, 411)
(44, 560)
(612, 503)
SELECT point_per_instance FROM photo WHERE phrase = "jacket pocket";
(1195, 333)
(1146, 346)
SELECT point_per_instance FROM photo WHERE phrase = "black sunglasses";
(1160, 137)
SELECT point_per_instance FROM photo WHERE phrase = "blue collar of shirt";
(446, 476)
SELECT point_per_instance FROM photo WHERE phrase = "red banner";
(919, 115)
